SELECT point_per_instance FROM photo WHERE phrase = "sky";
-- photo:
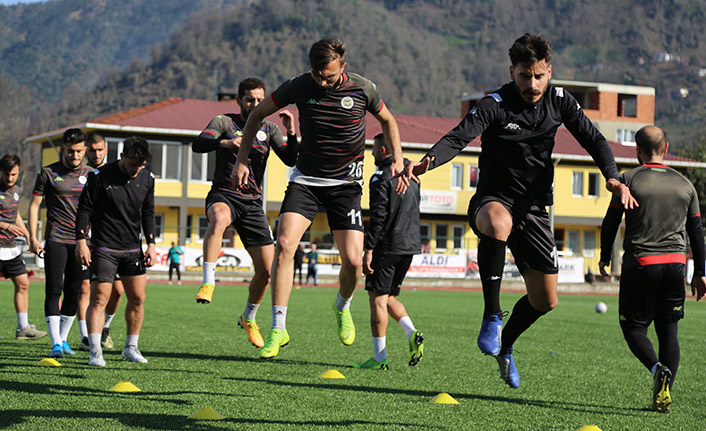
(13, 2)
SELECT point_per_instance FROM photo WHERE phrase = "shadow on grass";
(178, 422)
(550, 404)
(250, 359)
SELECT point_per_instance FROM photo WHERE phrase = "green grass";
(574, 365)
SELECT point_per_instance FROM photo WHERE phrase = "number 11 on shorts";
(353, 214)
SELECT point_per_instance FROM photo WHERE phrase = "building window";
(202, 166)
(458, 232)
(189, 227)
(158, 227)
(456, 175)
(203, 227)
(441, 235)
(574, 242)
(473, 172)
(559, 239)
(627, 105)
(166, 160)
(589, 243)
(577, 187)
(625, 136)
(594, 184)
(425, 235)
(115, 147)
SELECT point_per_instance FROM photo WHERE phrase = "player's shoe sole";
(346, 327)
(276, 340)
(661, 397)
(372, 364)
(205, 293)
(416, 347)
(252, 330)
(508, 371)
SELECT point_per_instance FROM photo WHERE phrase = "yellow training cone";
(206, 413)
(49, 362)
(589, 428)
(443, 398)
(124, 387)
(332, 374)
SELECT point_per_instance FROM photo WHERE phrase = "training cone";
(589, 428)
(124, 387)
(443, 398)
(332, 374)
(49, 362)
(207, 413)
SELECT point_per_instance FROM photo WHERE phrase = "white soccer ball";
(601, 308)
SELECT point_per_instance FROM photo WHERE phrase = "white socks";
(94, 340)
(209, 273)
(342, 303)
(54, 325)
(22, 321)
(279, 317)
(131, 340)
(108, 319)
(407, 325)
(65, 326)
(379, 351)
(83, 328)
(250, 311)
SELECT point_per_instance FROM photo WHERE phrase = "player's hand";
(287, 121)
(83, 253)
(414, 169)
(36, 247)
(602, 268)
(367, 262)
(397, 171)
(15, 230)
(151, 256)
(240, 174)
(231, 144)
(698, 287)
(619, 189)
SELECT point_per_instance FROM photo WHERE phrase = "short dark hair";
(94, 138)
(381, 138)
(73, 136)
(651, 139)
(324, 52)
(9, 161)
(249, 84)
(137, 149)
(530, 48)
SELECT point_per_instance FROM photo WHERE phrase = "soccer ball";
(601, 308)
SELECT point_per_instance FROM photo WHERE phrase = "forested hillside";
(421, 53)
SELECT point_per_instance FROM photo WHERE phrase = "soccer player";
(117, 201)
(312, 267)
(391, 240)
(517, 124)
(61, 183)
(654, 262)
(174, 257)
(11, 263)
(332, 107)
(96, 153)
(242, 207)
(298, 261)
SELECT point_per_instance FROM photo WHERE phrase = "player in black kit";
(517, 124)
(117, 201)
(654, 262)
(332, 107)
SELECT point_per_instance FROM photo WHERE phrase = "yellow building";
(183, 177)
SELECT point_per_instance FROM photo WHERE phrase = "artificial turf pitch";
(575, 369)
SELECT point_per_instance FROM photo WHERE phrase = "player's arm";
(286, 151)
(392, 137)
(698, 250)
(609, 228)
(240, 170)
(86, 201)
(210, 138)
(379, 210)
(21, 228)
(33, 218)
(148, 224)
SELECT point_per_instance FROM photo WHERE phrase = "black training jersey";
(517, 140)
(9, 204)
(655, 232)
(332, 124)
(394, 217)
(61, 187)
(116, 206)
(229, 126)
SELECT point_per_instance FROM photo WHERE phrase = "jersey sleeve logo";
(347, 102)
(559, 91)
(16, 196)
(261, 135)
(82, 179)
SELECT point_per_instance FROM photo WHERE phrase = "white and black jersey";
(517, 140)
(117, 207)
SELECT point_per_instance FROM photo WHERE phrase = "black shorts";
(652, 293)
(389, 271)
(531, 240)
(13, 267)
(105, 264)
(342, 204)
(248, 218)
